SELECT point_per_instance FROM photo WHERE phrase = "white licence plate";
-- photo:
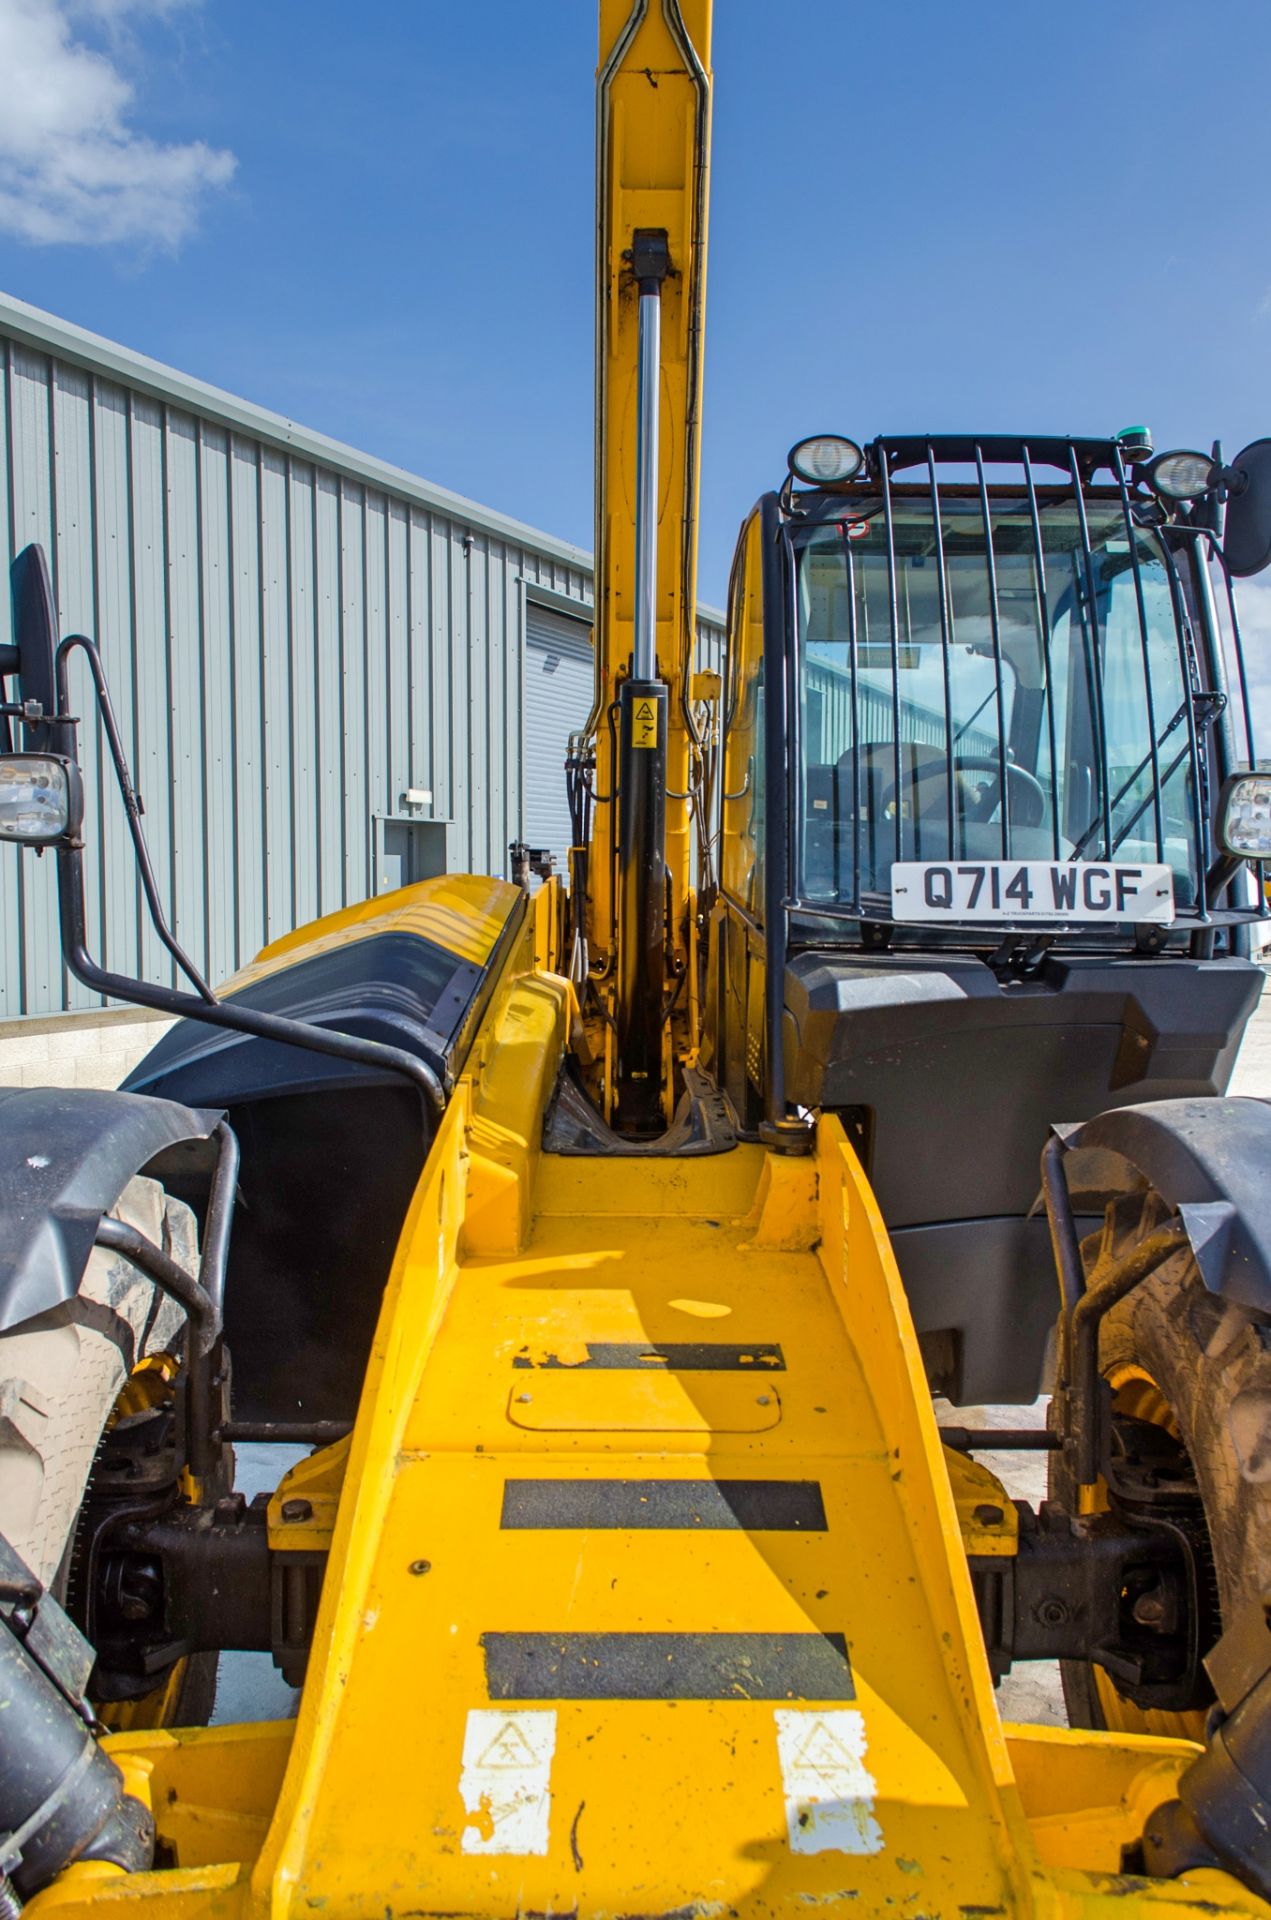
(1068, 890)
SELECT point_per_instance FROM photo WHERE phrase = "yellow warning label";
(644, 724)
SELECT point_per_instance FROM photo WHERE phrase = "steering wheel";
(1026, 795)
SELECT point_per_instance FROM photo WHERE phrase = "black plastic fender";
(1208, 1159)
(66, 1155)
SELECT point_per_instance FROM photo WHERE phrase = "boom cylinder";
(642, 719)
(642, 732)
(644, 662)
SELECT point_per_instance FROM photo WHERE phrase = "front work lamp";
(1244, 814)
(41, 799)
(825, 460)
(1182, 475)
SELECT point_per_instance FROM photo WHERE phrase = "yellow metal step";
(647, 1613)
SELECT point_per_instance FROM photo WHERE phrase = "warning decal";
(829, 1793)
(506, 1781)
(644, 724)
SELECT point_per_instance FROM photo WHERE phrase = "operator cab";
(976, 737)
(986, 744)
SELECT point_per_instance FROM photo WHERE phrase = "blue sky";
(378, 220)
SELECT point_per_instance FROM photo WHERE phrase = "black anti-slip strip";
(669, 1356)
(667, 1666)
(753, 1506)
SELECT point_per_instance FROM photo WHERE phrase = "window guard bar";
(1191, 686)
(1131, 534)
(1095, 654)
(1078, 461)
(946, 648)
(1042, 612)
(995, 630)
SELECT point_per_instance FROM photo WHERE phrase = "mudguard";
(66, 1155)
(411, 969)
(1209, 1159)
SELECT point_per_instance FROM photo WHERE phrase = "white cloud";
(71, 167)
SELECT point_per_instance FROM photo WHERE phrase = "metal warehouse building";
(331, 677)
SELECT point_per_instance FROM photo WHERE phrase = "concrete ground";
(61, 1052)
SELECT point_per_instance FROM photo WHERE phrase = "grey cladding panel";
(296, 635)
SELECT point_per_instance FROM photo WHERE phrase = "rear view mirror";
(31, 656)
(1247, 539)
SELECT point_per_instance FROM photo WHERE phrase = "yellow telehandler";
(606, 1245)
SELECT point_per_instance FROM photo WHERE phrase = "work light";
(41, 798)
(1244, 814)
(825, 460)
(1182, 475)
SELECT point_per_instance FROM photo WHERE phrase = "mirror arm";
(128, 794)
(203, 1004)
(223, 1013)
(1222, 873)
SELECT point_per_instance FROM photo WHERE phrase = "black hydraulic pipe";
(1063, 1231)
(61, 1797)
(220, 1212)
(290, 1433)
(1083, 1337)
(1000, 1439)
(205, 1325)
(642, 723)
(205, 1320)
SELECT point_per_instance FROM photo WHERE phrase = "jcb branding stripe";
(751, 1506)
(667, 1666)
(667, 1356)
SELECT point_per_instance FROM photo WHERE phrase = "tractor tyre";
(61, 1381)
(1180, 1358)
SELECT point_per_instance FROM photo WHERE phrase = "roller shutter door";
(558, 694)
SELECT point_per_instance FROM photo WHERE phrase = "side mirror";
(41, 794)
(31, 657)
(1247, 538)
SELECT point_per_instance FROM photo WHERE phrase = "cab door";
(736, 970)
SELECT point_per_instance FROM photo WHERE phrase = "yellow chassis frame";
(385, 1797)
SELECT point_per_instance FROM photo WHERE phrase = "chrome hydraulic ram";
(642, 730)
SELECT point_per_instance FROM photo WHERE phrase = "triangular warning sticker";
(824, 1754)
(509, 1748)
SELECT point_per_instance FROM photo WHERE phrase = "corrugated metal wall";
(295, 636)
(828, 716)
